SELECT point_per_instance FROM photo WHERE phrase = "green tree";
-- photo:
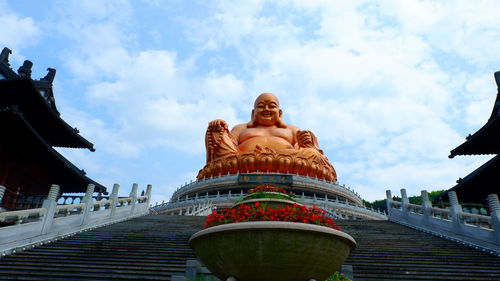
(382, 204)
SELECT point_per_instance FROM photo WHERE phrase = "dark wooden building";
(31, 127)
(485, 180)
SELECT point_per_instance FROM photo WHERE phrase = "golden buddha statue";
(266, 143)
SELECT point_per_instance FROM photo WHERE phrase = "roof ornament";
(25, 69)
(50, 75)
(4, 56)
(496, 107)
(497, 79)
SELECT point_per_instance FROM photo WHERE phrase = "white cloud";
(389, 87)
(17, 31)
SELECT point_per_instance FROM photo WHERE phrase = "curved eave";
(487, 139)
(55, 131)
(475, 187)
(69, 177)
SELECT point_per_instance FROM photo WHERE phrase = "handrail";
(21, 214)
(480, 220)
(75, 218)
(67, 208)
(480, 231)
(234, 177)
(184, 203)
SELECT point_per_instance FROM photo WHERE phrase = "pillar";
(2, 192)
(149, 188)
(494, 205)
(455, 208)
(114, 199)
(49, 205)
(133, 194)
(404, 197)
(426, 204)
(388, 202)
(87, 200)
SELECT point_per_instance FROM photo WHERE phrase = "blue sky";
(389, 87)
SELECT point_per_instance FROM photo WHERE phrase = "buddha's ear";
(252, 120)
(281, 113)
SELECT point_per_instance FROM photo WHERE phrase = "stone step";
(146, 248)
(155, 248)
(389, 251)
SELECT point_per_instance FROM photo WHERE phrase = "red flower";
(268, 188)
(260, 212)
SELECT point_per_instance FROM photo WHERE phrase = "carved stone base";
(268, 162)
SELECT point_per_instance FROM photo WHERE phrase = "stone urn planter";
(270, 202)
(272, 250)
(280, 201)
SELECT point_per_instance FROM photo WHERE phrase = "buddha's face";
(266, 110)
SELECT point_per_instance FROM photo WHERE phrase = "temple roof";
(37, 157)
(487, 139)
(476, 186)
(40, 113)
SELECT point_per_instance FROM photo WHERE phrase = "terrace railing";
(28, 228)
(476, 230)
(187, 205)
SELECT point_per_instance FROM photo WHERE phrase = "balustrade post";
(149, 187)
(133, 195)
(426, 204)
(2, 192)
(404, 201)
(87, 200)
(114, 199)
(388, 200)
(455, 208)
(49, 205)
(494, 205)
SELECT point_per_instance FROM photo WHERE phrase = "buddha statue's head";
(266, 112)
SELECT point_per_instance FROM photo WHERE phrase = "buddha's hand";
(217, 126)
(214, 138)
(305, 139)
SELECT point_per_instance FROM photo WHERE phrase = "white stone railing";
(18, 216)
(187, 205)
(34, 227)
(233, 178)
(481, 231)
(201, 210)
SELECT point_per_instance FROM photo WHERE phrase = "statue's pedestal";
(200, 197)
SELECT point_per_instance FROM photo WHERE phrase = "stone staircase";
(144, 248)
(155, 248)
(389, 251)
